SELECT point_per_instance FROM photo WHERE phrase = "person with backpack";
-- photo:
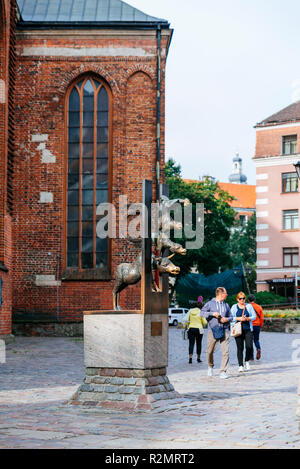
(257, 325)
(218, 315)
(195, 324)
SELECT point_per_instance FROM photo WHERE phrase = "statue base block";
(126, 355)
(125, 389)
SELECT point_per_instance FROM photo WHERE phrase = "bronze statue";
(130, 273)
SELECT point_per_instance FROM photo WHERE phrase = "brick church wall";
(47, 64)
(7, 37)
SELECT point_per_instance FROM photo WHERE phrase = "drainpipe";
(158, 101)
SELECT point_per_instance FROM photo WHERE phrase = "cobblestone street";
(250, 410)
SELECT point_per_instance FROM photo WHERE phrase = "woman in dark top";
(244, 313)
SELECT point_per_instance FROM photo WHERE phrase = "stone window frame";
(293, 215)
(78, 272)
(293, 253)
(284, 178)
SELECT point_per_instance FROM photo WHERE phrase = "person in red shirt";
(257, 324)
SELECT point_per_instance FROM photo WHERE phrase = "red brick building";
(7, 73)
(82, 99)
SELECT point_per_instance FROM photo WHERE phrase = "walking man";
(257, 325)
(217, 312)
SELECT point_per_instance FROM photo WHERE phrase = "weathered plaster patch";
(39, 137)
(2, 92)
(86, 52)
(46, 281)
(46, 198)
(47, 156)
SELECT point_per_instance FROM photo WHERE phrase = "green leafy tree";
(243, 243)
(242, 248)
(219, 217)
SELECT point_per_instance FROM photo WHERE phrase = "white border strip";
(280, 126)
(278, 271)
(262, 176)
(262, 201)
(275, 160)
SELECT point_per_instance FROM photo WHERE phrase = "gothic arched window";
(88, 106)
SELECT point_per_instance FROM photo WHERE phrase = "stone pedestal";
(8, 338)
(126, 354)
(298, 405)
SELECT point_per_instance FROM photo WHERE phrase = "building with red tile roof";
(244, 198)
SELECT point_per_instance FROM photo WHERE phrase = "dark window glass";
(88, 133)
(102, 134)
(73, 181)
(87, 181)
(72, 259)
(101, 245)
(87, 165)
(87, 244)
(73, 212)
(73, 229)
(73, 244)
(73, 197)
(74, 119)
(102, 100)
(88, 103)
(87, 213)
(102, 166)
(101, 196)
(74, 135)
(87, 197)
(87, 260)
(87, 150)
(101, 259)
(87, 229)
(102, 150)
(74, 101)
(88, 119)
(73, 150)
(73, 166)
(102, 119)
(102, 181)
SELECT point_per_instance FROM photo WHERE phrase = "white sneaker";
(247, 366)
(223, 375)
(210, 372)
(241, 369)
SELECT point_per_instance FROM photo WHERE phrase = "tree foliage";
(218, 220)
(243, 243)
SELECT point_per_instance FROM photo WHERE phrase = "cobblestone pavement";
(255, 409)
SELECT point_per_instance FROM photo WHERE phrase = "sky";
(231, 64)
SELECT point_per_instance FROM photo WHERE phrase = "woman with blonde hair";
(195, 324)
(244, 313)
